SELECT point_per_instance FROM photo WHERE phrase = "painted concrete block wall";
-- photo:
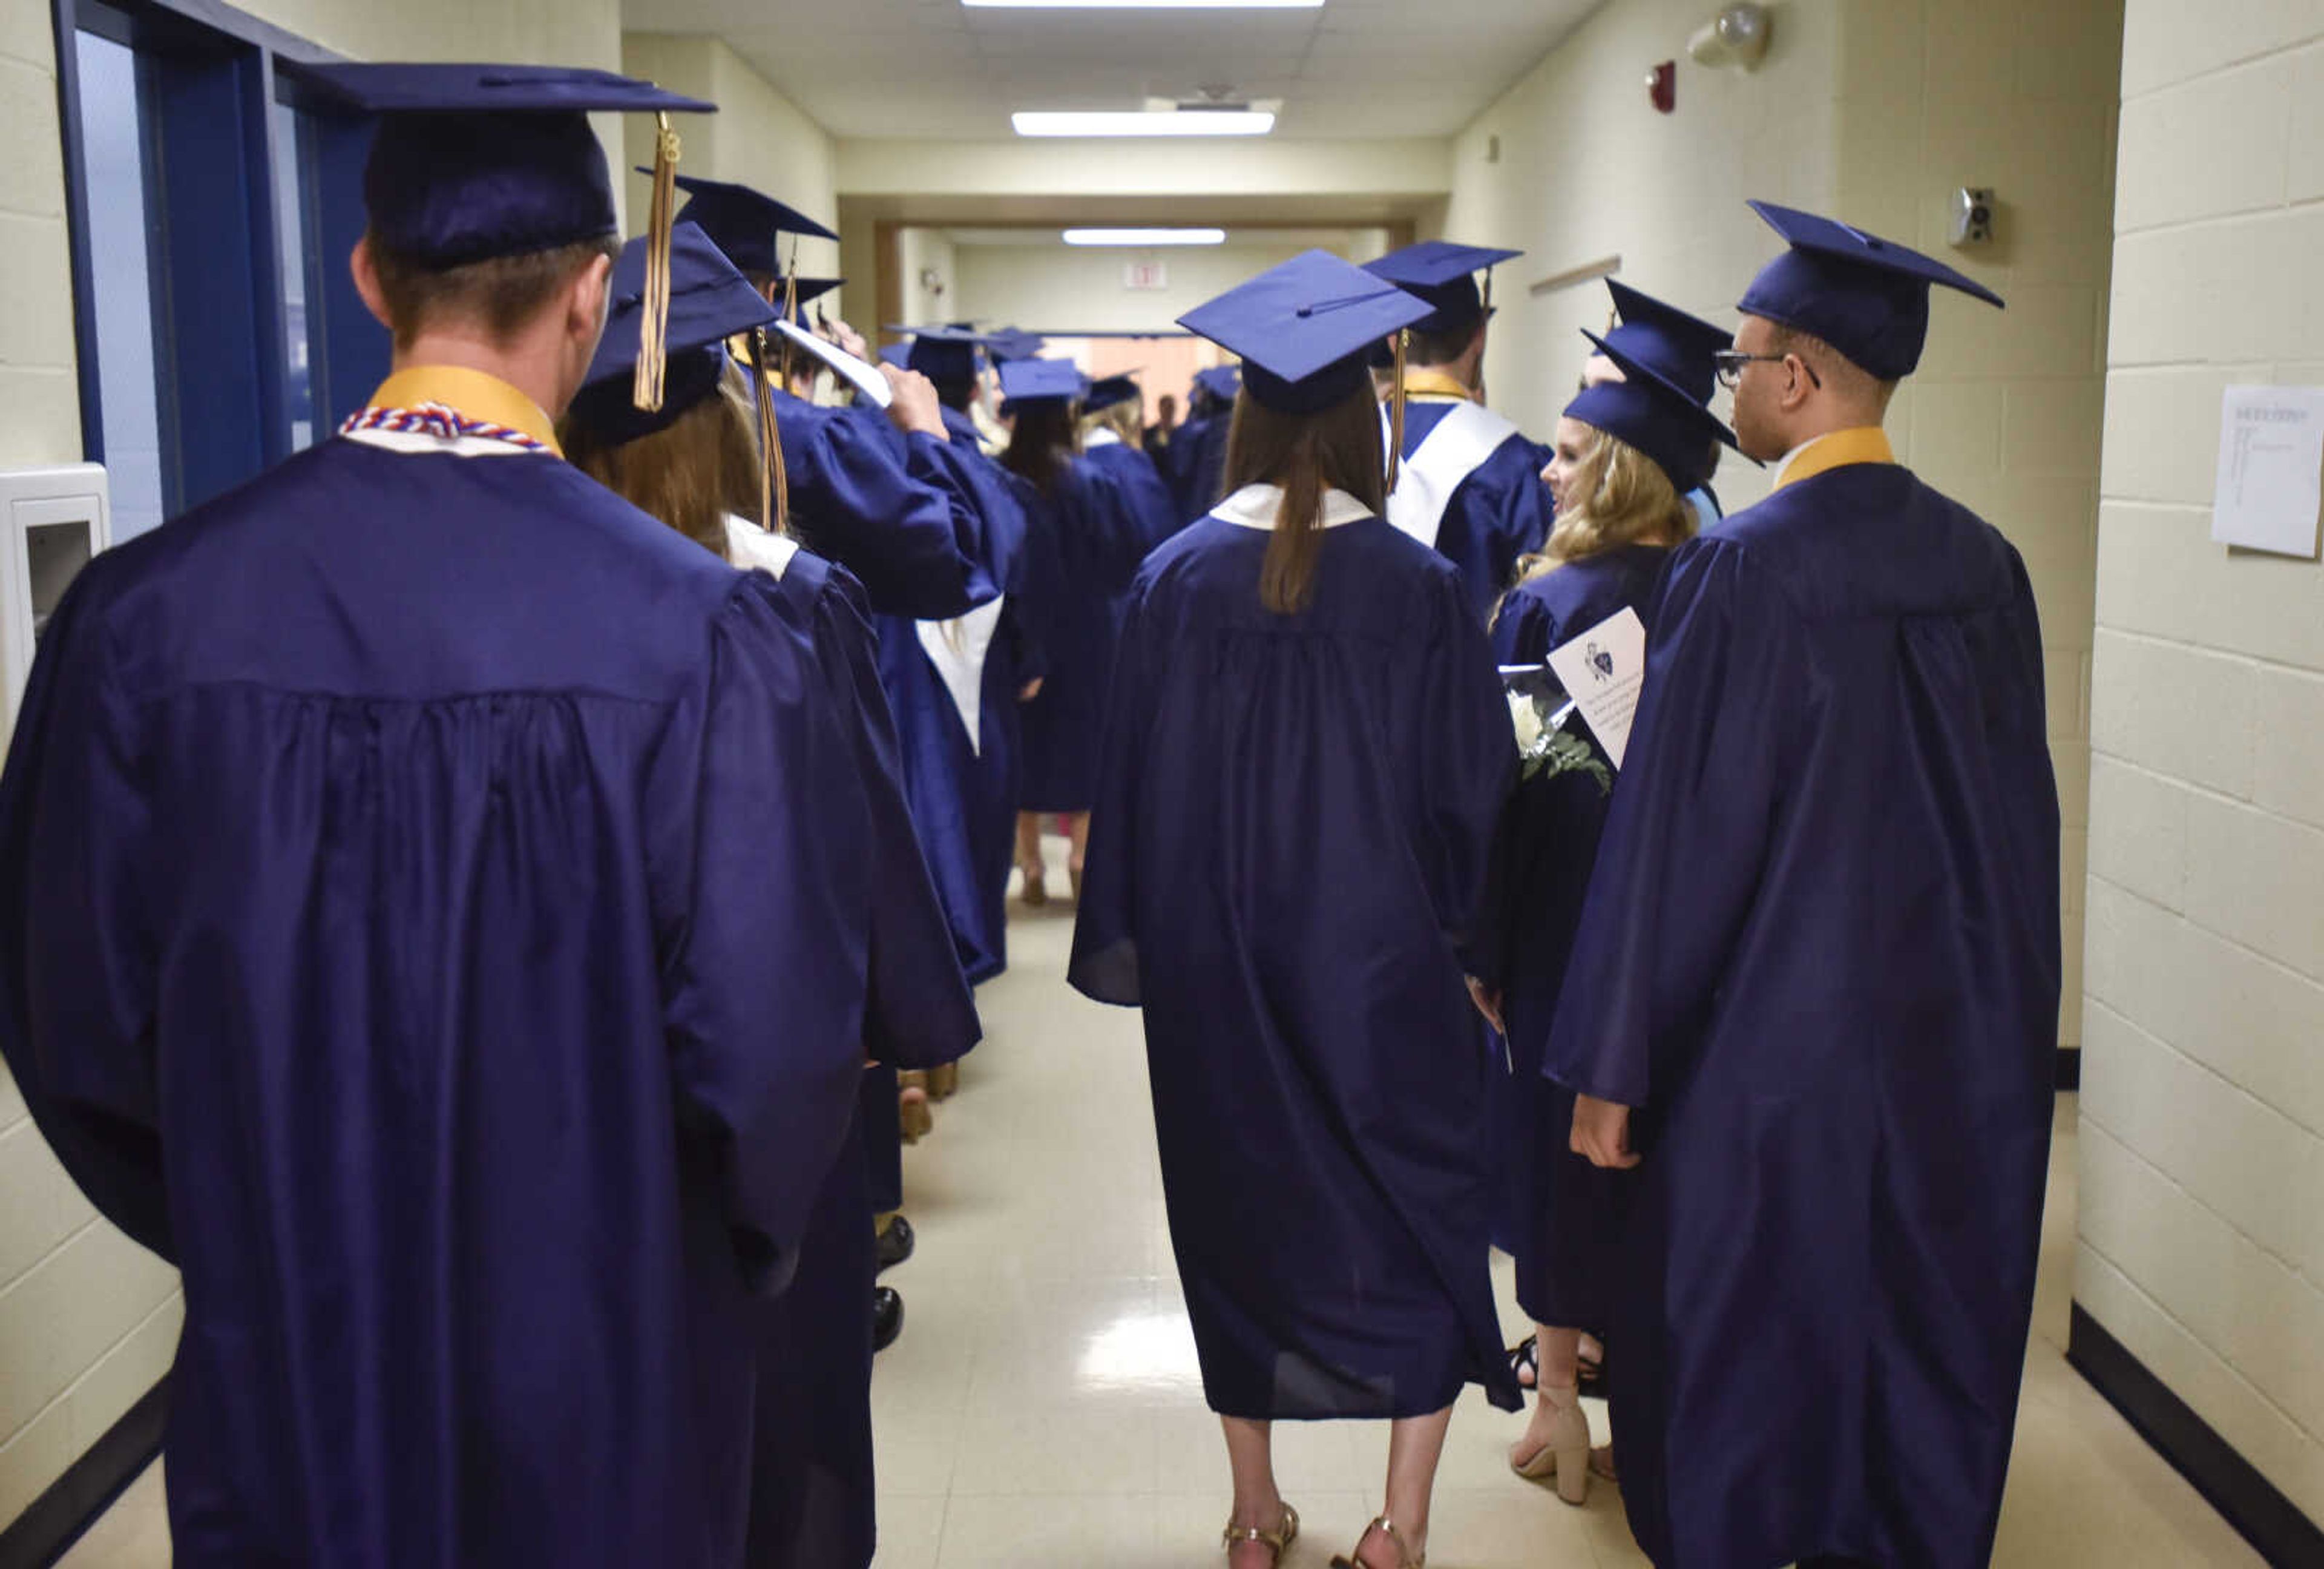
(2202, 1243)
(88, 1321)
(1573, 164)
(2006, 412)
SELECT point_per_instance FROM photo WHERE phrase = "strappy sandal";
(1386, 1528)
(1278, 1542)
(1524, 1357)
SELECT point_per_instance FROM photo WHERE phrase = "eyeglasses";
(1731, 361)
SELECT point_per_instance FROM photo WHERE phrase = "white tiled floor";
(1043, 1408)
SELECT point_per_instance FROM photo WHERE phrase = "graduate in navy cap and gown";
(1198, 452)
(811, 1494)
(1112, 424)
(1469, 485)
(1683, 349)
(1814, 999)
(401, 930)
(1626, 453)
(1309, 755)
(957, 682)
(889, 498)
(1092, 523)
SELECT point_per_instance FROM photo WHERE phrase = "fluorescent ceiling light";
(1146, 237)
(1146, 4)
(1140, 123)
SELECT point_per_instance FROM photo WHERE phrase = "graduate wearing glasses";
(1814, 999)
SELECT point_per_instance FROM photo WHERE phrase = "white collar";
(1257, 506)
(1101, 437)
(749, 546)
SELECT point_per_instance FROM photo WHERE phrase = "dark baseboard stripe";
(55, 1520)
(2270, 1522)
(2069, 1067)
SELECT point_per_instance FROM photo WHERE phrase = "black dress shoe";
(896, 1243)
(886, 1317)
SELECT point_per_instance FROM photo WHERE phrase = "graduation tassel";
(1395, 412)
(774, 480)
(789, 307)
(646, 388)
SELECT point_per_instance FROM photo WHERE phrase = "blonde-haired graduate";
(1627, 451)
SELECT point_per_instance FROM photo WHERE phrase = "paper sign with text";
(1602, 671)
(2271, 486)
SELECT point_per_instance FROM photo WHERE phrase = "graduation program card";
(1601, 671)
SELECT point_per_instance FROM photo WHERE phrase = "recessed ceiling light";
(1146, 237)
(1141, 122)
(1145, 4)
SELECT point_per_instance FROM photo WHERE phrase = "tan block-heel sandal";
(1278, 1542)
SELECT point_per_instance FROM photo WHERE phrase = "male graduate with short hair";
(401, 932)
(1469, 484)
(1815, 1000)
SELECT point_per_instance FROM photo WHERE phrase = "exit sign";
(1146, 275)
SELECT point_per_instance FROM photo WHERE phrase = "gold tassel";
(774, 480)
(653, 330)
(789, 306)
(1395, 412)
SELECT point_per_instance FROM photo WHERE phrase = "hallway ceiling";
(939, 70)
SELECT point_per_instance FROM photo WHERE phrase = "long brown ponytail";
(1308, 454)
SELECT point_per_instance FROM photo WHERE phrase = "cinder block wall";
(2201, 1240)
(2005, 413)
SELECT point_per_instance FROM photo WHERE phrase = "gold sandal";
(1277, 1541)
(1386, 1528)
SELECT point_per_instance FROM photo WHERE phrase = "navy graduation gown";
(1101, 519)
(1289, 846)
(899, 511)
(1500, 513)
(813, 1502)
(1198, 465)
(1560, 1215)
(1821, 951)
(400, 931)
(953, 783)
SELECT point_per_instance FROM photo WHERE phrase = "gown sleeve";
(919, 1012)
(77, 946)
(1688, 831)
(1521, 631)
(903, 516)
(764, 902)
(1470, 767)
(1104, 963)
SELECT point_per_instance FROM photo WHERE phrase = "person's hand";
(1029, 690)
(916, 406)
(1601, 1133)
(835, 331)
(1488, 1003)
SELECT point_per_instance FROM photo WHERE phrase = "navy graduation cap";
(1867, 296)
(804, 291)
(1033, 380)
(943, 353)
(1680, 347)
(475, 162)
(709, 302)
(1653, 414)
(1110, 392)
(1302, 330)
(1444, 274)
(743, 223)
(1012, 343)
(1220, 382)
